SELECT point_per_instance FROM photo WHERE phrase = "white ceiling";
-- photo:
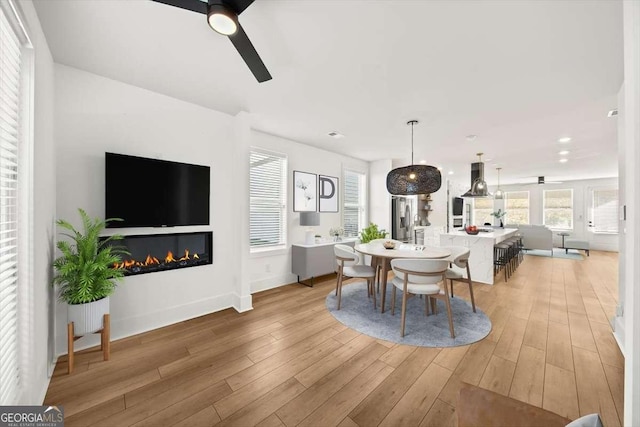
(518, 74)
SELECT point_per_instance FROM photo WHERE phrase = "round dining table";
(383, 256)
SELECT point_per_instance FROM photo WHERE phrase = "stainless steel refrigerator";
(402, 209)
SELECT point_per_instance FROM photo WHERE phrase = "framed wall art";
(305, 192)
(328, 191)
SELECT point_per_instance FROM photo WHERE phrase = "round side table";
(563, 234)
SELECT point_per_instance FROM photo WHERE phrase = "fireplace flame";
(186, 255)
(151, 260)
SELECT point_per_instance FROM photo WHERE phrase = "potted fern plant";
(84, 272)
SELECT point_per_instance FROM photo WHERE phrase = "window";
(267, 199)
(558, 209)
(14, 196)
(354, 207)
(482, 209)
(516, 204)
(604, 214)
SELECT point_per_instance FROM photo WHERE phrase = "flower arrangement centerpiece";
(499, 214)
(336, 233)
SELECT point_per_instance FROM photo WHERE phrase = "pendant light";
(478, 184)
(499, 194)
(414, 179)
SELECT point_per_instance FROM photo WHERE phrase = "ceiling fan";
(222, 16)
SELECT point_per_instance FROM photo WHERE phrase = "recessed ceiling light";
(563, 152)
(564, 160)
(564, 140)
(612, 113)
(450, 172)
(336, 135)
(471, 138)
(423, 162)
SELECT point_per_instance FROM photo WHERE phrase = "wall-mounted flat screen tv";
(458, 205)
(155, 193)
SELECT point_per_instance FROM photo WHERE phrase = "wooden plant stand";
(105, 345)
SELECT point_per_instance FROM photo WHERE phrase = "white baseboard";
(618, 332)
(123, 328)
(45, 384)
(272, 282)
(242, 303)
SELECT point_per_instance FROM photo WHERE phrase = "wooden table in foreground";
(382, 256)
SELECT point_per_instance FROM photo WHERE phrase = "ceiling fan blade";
(244, 46)
(192, 5)
(239, 5)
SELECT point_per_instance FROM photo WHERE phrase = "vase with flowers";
(336, 233)
(499, 214)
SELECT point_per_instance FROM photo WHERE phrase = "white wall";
(631, 112)
(273, 268)
(94, 115)
(379, 197)
(37, 345)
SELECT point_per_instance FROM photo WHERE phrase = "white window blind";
(517, 207)
(353, 209)
(10, 74)
(605, 211)
(482, 208)
(267, 193)
(558, 209)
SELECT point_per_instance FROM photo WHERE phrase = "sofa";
(535, 236)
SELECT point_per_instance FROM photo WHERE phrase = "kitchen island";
(481, 246)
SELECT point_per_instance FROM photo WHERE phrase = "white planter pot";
(87, 318)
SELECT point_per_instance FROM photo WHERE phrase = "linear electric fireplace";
(162, 252)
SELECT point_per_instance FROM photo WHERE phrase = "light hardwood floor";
(289, 362)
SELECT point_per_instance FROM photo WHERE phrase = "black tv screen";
(155, 193)
(458, 205)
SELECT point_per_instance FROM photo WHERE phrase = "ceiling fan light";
(222, 20)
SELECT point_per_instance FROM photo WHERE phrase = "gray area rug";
(356, 312)
(557, 253)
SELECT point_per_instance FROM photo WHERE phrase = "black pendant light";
(413, 179)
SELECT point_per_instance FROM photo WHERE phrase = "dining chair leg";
(404, 312)
(426, 305)
(434, 305)
(451, 280)
(393, 302)
(339, 289)
(473, 302)
(448, 305)
(373, 290)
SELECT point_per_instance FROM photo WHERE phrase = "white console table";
(318, 259)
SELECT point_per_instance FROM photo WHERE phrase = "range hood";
(479, 187)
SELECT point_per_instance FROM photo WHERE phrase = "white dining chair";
(460, 258)
(420, 277)
(349, 266)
